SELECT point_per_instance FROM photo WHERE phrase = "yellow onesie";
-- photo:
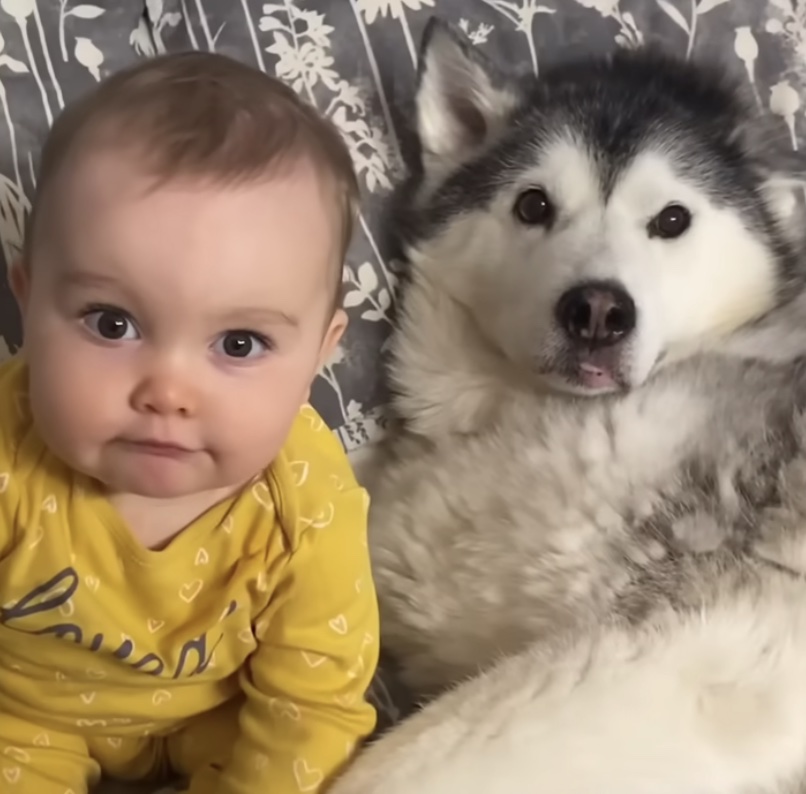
(239, 655)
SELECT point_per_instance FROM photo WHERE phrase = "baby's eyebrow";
(260, 315)
(85, 278)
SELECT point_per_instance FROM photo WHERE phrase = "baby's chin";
(154, 476)
(148, 489)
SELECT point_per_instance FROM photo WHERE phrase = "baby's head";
(181, 274)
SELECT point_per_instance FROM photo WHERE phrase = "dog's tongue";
(594, 376)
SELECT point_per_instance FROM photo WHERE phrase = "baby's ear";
(333, 334)
(19, 280)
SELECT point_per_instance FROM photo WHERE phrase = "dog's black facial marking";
(475, 184)
(616, 106)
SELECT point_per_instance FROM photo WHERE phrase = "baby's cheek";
(253, 445)
(251, 436)
(73, 397)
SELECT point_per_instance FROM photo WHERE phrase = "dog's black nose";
(596, 314)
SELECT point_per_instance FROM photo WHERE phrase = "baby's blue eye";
(111, 324)
(243, 344)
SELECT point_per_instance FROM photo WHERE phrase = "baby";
(184, 575)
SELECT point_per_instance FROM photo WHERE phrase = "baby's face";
(172, 332)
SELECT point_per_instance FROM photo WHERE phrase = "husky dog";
(589, 536)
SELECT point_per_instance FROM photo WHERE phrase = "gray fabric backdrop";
(355, 60)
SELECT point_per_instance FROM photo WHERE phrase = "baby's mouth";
(158, 447)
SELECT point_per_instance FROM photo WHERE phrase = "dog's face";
(597, 221)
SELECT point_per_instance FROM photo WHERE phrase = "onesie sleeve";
(305, 711)
(13, 420)
(9, 488)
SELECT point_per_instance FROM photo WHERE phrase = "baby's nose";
(165, 394)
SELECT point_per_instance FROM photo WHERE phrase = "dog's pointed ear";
(462, 100)
(779, 170)
(783, 194)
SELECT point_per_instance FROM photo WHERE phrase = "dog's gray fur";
(606, 564)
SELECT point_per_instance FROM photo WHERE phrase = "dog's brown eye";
(534, 208)
(670, 222)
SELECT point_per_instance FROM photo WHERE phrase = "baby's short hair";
(203, 115)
